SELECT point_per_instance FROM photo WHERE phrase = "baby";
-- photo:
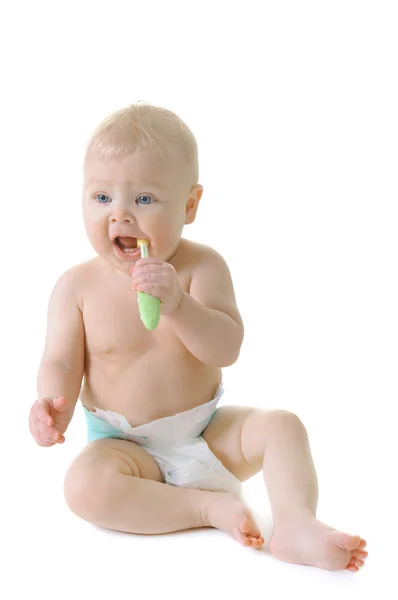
(160, 456)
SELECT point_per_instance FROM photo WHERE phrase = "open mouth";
(126, 244)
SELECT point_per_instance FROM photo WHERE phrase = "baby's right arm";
(62, 365)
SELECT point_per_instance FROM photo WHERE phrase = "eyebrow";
(147, 183)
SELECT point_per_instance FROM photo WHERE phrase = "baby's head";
(140, 181)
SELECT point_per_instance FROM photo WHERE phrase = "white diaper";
(175, 443)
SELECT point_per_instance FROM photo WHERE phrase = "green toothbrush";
(149, 306)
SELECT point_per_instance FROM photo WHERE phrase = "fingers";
(43, 425)
(42, 411)
(43, 440)
(60, 404)
(151, 271)
(148, 261)
(47, 434)
(153, 267)
(44, 407)
(152, 278)
(154, 289)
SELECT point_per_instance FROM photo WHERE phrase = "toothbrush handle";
(149, 306)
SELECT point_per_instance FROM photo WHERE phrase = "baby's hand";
(158, 278)
(48, 421)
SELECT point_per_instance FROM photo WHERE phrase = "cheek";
(170, 225)
(166, 234)
(96, 229)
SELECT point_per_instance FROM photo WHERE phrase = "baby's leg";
(247, 439)
(116, 484)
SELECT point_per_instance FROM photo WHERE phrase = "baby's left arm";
(207, 320)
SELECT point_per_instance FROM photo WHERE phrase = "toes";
(355, 562)
(352, 542)
(358, 562)
(257, 542)
(245, 525)
(352, 568)
(246, 540)
(248, 527)
(347, 541)
(362, 544)
(242, 538)
(359, 553)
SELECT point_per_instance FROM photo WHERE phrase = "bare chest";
(113, 325)
(141, 374)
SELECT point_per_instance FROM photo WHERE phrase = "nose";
(121, 215)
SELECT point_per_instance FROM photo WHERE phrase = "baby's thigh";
(225, 437)
(94, 469)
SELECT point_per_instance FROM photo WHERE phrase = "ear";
(192, 203)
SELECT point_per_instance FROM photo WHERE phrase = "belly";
(156, 385)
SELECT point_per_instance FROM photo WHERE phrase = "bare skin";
(302, 540)
(115, 483)
(307, 541)
(246, 440)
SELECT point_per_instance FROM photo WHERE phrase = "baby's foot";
(307, 541)
(227, 512)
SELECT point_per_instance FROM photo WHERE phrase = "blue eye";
(100, 198)
(145, 196)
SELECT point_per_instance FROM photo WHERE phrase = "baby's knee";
(86, 488)
(287, 420)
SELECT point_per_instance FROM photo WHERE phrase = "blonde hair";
(144, 126)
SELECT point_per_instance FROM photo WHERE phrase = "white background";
(294, 107)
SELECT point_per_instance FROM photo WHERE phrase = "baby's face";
(140, 196)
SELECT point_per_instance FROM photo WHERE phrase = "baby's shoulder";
(195, 254)
(76, 278)
(203, 264)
